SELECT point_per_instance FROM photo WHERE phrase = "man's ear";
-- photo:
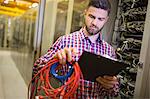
(106, 19)
(85, 11)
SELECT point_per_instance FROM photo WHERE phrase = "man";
(70, 47)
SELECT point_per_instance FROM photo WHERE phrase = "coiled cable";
(44, 89)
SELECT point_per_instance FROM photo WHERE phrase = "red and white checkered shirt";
(91, 90)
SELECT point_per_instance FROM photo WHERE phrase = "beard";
(93, 30)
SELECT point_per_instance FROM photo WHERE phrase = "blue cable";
(64, 77)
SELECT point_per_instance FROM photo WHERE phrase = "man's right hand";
(65, 54)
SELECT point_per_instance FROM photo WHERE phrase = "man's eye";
(101, 19)
(91, 16)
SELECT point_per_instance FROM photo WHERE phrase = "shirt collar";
(83, 36)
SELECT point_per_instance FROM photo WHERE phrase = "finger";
(59, 56)
(108, 81)
(107, 86)
(112, 78)
(104, 84)
(74, 51)
(63, 54)
(68, 52)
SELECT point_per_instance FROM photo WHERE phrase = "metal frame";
(39, 29)
(142, 87)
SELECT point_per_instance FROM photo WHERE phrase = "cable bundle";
(44, 88)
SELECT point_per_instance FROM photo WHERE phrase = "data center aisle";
(12, 85)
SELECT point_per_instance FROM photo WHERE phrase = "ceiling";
(79, 5)
(15, 7)
(18, 7)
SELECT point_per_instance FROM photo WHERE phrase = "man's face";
(95, 18)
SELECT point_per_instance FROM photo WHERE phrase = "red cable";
(44, 77)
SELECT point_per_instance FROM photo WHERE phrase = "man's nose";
(94, 22)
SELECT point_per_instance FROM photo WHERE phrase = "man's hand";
(107, 81)
(65, 54)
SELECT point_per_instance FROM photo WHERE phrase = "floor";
(12, 85)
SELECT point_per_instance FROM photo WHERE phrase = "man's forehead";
(97, 11)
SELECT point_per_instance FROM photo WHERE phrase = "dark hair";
(103, 4)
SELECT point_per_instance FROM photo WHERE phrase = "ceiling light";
(30, 6)
(34, 5)
(6, 1)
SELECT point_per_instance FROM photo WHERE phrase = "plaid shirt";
(82, 43)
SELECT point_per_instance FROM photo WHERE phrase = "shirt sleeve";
(50, 53)
(113, 92)
(114, 53)
(41, 62)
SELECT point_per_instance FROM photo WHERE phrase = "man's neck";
(92, 38)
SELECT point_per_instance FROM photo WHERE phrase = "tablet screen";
(93, 65)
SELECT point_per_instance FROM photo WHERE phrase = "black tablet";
(93, 65)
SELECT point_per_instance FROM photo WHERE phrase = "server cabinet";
(142, 86)
(2, 31)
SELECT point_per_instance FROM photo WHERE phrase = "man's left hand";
(107, 81)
